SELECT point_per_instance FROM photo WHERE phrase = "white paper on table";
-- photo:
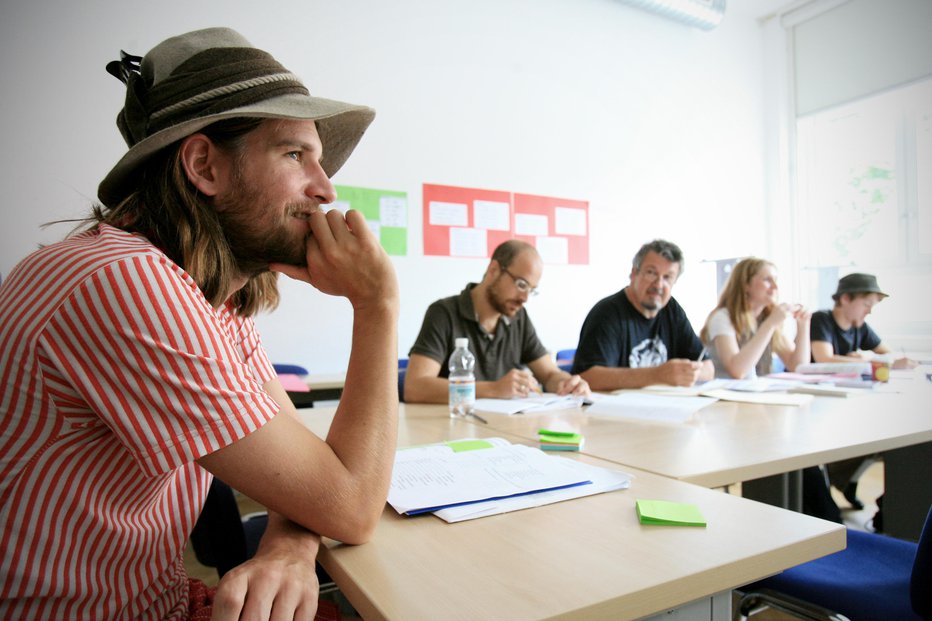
(766, 398)
(537, 403)
(655, 407)
(436, 476)
(601, 480)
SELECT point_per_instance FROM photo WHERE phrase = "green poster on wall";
(386, 211)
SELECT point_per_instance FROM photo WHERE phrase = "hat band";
(211, 82)
(222, 92)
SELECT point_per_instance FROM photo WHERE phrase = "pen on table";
(477, 417)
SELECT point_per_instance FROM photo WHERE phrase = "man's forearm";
(613, 378)
(283, 534)
(364, 431)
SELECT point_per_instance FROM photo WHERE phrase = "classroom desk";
(731, 442)
(584, 558)
(326, 386)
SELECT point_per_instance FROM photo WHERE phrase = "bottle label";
(462, 396)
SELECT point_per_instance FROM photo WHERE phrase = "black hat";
(858, 283)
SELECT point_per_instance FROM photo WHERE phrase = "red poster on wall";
(465, 222)
(470, 222)
(557, 227)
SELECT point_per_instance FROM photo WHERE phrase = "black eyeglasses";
(522, 285)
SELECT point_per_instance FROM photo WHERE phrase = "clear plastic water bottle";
(462, 380)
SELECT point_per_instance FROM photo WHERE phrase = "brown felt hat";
(190, 81)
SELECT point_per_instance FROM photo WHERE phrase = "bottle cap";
(462, 342)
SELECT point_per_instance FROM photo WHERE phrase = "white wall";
(659, 126)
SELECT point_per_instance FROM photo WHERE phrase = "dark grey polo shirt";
(514, 343)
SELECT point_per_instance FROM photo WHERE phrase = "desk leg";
(907, 490)
(716, 607)
(781, 490)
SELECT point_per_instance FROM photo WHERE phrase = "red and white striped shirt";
(116, 374)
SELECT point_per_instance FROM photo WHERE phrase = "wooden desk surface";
(729, 442)
(586, 558)
(322, 381)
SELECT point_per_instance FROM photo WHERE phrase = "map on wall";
(386, 212)
(470, 222)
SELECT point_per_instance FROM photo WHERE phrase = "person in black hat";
(131, 370)
(842, 335)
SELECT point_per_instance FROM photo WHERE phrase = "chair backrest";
(920, 595)
(289, 369)
(566, 354)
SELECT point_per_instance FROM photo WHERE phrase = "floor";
(869, 488)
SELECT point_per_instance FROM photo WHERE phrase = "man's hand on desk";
(573, 385)
(679, 372)
(279, 582)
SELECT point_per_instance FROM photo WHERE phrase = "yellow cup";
(880, 370)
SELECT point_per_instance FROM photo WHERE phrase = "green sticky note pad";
(460, 446)
(666, 513)
(565, 437)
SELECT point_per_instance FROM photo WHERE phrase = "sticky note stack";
(666, 513)
(559, 440)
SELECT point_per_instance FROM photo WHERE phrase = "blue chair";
(289, 369)
(875, 578)
(565, 359)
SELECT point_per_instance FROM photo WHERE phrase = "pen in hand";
(703, 353)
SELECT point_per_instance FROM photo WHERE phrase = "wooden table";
(731, 442)
(584, 558)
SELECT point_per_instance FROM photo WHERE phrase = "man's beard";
(256, 241)
(499, 304)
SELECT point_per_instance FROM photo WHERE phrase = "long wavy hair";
(734, 299)
(169, 211)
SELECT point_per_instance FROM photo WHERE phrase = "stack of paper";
(857, 368)
(473, 478)
(559, 440)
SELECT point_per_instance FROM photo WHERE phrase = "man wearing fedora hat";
(131, 370)
(842, 335)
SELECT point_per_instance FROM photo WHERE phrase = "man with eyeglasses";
(510, 359)
(641, 335)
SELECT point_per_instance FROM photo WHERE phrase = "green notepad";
(666, 513)
(459, 446)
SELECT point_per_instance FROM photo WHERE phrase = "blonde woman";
(746, 327)
(743, 332)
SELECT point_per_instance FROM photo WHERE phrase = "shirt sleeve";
(436, 336)
(599, 340)
(871, 339)
(687, 343)
(250, 345)
(157, 364)
(720, 324)
(820, 328)
(532, 348)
